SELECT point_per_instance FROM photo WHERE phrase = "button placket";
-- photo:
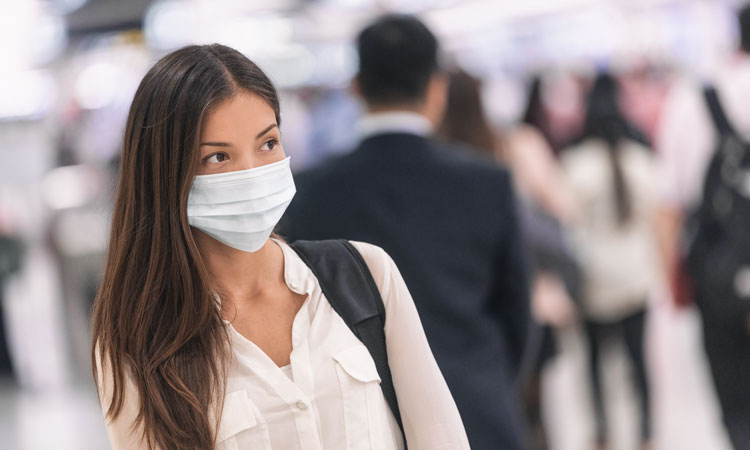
(300, 392)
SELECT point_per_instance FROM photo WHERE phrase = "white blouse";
(329, 397)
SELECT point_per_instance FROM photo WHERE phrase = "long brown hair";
(605, 120)
(464, 120)
(155, 318)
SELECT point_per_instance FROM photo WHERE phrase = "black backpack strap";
(348, 285)
(733, 149)
(718, 116)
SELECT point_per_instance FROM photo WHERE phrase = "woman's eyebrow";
(226, 144)
(266, 130)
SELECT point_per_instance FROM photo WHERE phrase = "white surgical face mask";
(241, 208)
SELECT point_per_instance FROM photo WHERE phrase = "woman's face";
(240, 133)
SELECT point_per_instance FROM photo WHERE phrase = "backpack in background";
(718, 232)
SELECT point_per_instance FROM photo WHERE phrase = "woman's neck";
(241, 276)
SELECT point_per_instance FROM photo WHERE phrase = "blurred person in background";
(703, 145)
(644, 86)
(208, 331)
(555, 278)
(554, 108)
(612, 175)
(448, 218)
(527, 150)
(77, 240)
(535, 115)
(11, 251)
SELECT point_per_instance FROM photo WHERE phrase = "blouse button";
(301, 405)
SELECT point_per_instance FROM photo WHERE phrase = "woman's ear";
(436, 98)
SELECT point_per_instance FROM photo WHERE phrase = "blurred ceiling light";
(30, 34)
(26, 94)
(70, 186)
(481, 54)
(97, 85)
(473, 16)
(250, 6)
(465, 18)
(415, 6)
(354, 4)
(170, 24)
(403, 6)
(335, 64)
(67, 6)
(255, 36)
(290, 67)
(569, 37)
(324, 23)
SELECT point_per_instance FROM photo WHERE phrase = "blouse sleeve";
(429, 414)
(122, 433)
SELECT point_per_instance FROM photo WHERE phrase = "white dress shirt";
(329, 397)
(687, 135)
(393, 122)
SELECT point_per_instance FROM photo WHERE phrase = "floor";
(64, 419)
(684, 411)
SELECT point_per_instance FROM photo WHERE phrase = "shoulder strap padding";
(718, 116)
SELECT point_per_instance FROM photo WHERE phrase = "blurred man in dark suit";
(447, 217)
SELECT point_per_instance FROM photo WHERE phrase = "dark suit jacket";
(448, 219)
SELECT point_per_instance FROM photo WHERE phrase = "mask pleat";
(230, 208)
(240, 190)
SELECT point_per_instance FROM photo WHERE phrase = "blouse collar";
(298, 277)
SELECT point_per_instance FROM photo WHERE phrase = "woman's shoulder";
(374, 256)
(639, 148)
(524, 135)
(582, 154)
(378, 261)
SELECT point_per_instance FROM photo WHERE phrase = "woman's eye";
(217, 158)
(270, 145)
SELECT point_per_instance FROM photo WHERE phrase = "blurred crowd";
(629, 172)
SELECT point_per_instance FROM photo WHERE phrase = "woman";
(538, 180)
(208, 333)
(612, 177)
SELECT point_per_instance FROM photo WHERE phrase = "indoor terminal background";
(68, 71)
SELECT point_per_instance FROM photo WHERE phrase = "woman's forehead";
(244, 113)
